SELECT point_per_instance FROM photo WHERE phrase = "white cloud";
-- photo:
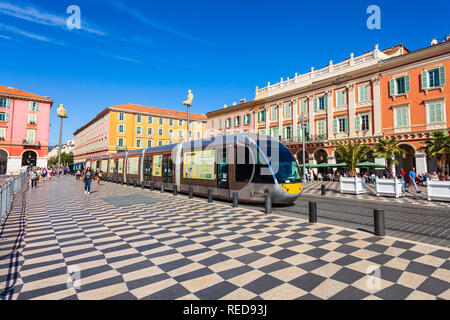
(29, 35)
(117, 57)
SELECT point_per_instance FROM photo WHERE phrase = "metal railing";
(8, 190)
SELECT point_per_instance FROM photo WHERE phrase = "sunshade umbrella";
(371, 165)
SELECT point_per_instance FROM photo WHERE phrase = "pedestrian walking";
(33, 175)
(412, 180)
(88, 181)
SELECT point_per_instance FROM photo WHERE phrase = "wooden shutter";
(346, 124)
(392, 85)
(442, 76)
(424, 80)
(8, 103)
(316, 104)
(407, 84)
(358, 123)
(325, 101)
(336, 125)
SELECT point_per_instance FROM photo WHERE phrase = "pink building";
(24, 129)
(229, 120)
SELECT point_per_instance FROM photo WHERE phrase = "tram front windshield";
(283, 163)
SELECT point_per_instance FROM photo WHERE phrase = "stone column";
(14, 165)
(311, 114)
(377, 106)
(295, 134)
(267, 108)
(330, 113)
(421, 162)
(351, 110)
(280, 119)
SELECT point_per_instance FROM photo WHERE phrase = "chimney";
(434, 42)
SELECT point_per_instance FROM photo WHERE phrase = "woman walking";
(87, 181)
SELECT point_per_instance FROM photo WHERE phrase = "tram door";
(222, 169)
(167, 169)
(147, 169)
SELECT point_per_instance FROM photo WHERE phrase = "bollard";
(210, 196)
(324, 190)
(235, 199)
(135, 183)
(142, 185)
(162, 187)
(268, 204)
(312, 212)
(152, 186)
(380, 227)
(122, 182)
(191, 192)
(175, 190)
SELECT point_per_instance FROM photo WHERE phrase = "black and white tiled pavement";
(128, 243)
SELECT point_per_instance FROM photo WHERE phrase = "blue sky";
(152, 52)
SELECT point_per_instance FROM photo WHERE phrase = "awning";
(370, 165)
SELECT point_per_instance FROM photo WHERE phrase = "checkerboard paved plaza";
(129, 243)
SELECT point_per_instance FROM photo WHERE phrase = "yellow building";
(132, 127)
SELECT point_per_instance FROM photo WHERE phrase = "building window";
(275, 132)
(171, 122)
(138, 143)
(161, 121)
(150, 131)
(248, 119)
(321, 129)
(401, 117)
(288, 110)
(4, 116)
(220, 124)
(161, 132)
(121, 116)
(121, 128)
(363, 93)
(31, 136)
(341, 125)
(287, 132)
(433, 78)
(120, 142)
(274, 113)
(139, 119)
(228, 123)
(237, 121)
(150, 120)
(5, 103)
(363, 122)
(435, 113)
(160, 143)
(303, 106)
(399, 85)
(149, 143)
(2, 134)
(262, 116)
(320, 103)
(171, 133)
(180, 123)
(341, 98)
(34, 106)
(181, 133)
(138, 130)
(211, 124)
(199, 135)
(32, 119)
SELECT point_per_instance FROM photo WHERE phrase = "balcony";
(121, 148)
(31, 143)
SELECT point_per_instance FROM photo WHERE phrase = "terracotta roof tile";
(21, 93)
(157, 111)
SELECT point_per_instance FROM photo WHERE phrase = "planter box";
(438, 190)
(390, 188)
(353, 185)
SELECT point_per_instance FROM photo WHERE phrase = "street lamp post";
(303, 126)
(62, 113)
(188, 104)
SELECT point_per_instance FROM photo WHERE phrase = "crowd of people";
(38, 175)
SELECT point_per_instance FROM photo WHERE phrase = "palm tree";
(438, 147)
(389, 149)
(353, 154)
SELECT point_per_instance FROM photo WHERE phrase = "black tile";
(161, 254)
(135, 266)
(346, 260)
(434, 286)
(346, 233)
(42, 254)
(394, 292)
(249, 258)
(347, 276)
(259, 247)
(410, 255)
(270, 239)
(317, 252)
(307, 282)
(122, 297)
(350, 293)
(312, 265)
(146, 281)
(211, 243)
(345, 248)
(420, 268)
(216, 291)
(172, 293)
(231, 273)
(402, 245)
(377, 248)
(263, 284)
(308, 296)
(381, 259)
(322, 235)
(444, 254)
(283, 254)
(194, 252)
(41, 292)
(45, 275)
(85, 273)
(214, 259)
(345, 240)
(123, 258)
(279, 265)
(172, 265)
(193, 274)
(79, 252)
(149, 247)
(390, 274)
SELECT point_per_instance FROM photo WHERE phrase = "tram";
(253, 165)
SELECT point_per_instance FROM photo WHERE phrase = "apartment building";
(24, 129)
(133, 127)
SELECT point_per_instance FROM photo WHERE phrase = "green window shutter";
(316, 104)
(442, 76)
(284, 133)
(407, 84)
(438, 112)
(307, 129)
(336, 126)
(424, 80)
(358, 123)
(8, 103)
(392, 86)
(7, 116)
(346, 124)
(259, 116)
(325, 101)
(270, 132)
(31, 106)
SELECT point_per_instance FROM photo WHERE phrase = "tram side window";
(244, 165)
